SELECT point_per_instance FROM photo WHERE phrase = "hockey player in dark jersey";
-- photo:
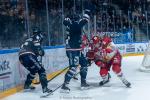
(74, 26)
(29, 53)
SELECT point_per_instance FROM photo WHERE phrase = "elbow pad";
(41, 52)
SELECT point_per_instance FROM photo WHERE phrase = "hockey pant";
(31, 63)
(105, 66)
(76, 58)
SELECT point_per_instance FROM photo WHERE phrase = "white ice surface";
(115, 90)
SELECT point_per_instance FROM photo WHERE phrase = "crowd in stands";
(12, 20)
(112, 16)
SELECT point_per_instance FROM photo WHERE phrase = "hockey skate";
(124, 81)
(28, 88)
(46, 92)
(65, 88)
(105, 80)
(128, 84)
(84, 86)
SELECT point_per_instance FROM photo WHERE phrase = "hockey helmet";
(87, 11)
(75, 17)
(106, 41)
(36, 30)
(95, 39)
(38, 34)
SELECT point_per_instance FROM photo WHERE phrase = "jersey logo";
(76, 60)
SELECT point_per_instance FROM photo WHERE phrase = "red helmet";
(96, 39)
(106, 41)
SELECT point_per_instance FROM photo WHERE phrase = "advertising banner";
(132, 48)
(12, 73)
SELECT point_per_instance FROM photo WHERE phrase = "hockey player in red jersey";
(106, 55)
(95, 53)
(111, 58)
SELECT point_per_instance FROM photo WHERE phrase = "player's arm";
(84, 20)
(39, 51)
(110, 52)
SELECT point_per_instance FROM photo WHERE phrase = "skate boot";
(29, 87)
(124, 81)
(105, 80)
(65, 88)
(84, 84)
(28, 82)
(46, 90)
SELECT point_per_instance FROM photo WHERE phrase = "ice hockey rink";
(115, 90)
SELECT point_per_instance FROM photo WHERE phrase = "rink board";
(13, 74)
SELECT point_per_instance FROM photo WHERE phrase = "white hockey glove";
(86, 16)
(68, 19)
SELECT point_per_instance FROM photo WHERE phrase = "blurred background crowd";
(127, 20)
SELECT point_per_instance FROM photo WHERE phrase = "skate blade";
(85, 88)
(44, 95)
(64, 91)
(28, 90)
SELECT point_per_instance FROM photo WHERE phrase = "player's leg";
(83, 71)
(28, 81)
(37, 66)
(26, 62)
(73, 63)
(43, 80)
(103, 72)
(116, 67)
(105, 76)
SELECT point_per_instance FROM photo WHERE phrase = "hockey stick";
(58, 74)
(44, 96)
(55, 75)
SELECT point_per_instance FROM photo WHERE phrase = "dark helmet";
(75, 17)
(87, 11)
(36, 30)
(38, 34)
